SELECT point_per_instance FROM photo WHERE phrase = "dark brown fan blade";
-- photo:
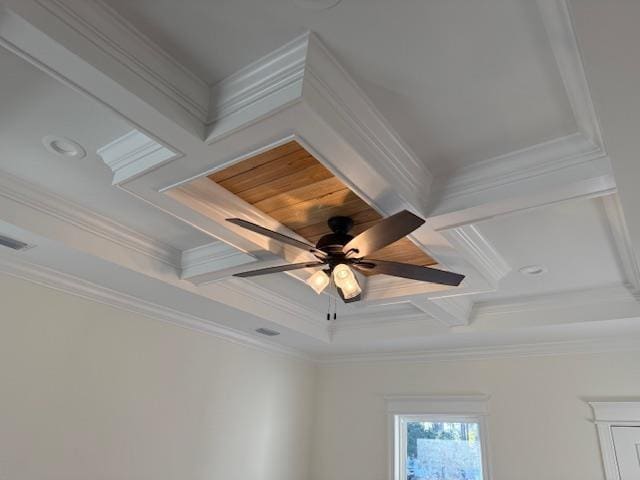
(276, 236)
(279, 268)
(357, 298)
(383, 233)
(414, 272)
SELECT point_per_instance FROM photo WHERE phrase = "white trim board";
(609, 414)
(402, 409)
(457, 354)
(556, 16)
(217, 257)
(132, 154)
(563, 169)
(627, 257)
(605, 294)
(416, 404)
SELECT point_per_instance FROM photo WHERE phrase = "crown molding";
(568, 347)
(556, 16)
(243, 295)
(468, 241)
(265, 85)
(450, 311)
(535, 303)
(132, 154)
(216, 257)
(284, 310)
(628, 260)
(139, 59)
(402, 313)
(36, 198)
(563, 169)
(303, 70)
(333, 95)
(73, 285)
(545, 158)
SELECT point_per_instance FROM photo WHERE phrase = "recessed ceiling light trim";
(533, 270)
(63, 147)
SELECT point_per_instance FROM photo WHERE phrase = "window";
(438, 438)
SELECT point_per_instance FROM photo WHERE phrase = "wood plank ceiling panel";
(290, 185)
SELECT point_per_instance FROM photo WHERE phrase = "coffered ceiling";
(477, 118)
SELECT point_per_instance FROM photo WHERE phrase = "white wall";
(91, 392)
(539, 425)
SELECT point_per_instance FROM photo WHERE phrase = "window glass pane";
(443, 451)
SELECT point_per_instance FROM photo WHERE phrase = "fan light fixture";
(318, 281)
(346, 281)
(339, 253)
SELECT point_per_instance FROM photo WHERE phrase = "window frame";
(458, 409)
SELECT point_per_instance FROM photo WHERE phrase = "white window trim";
(461, 408)
(613, 414)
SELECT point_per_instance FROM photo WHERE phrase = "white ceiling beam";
(564, 169)
(450, 311)
(608, 38)
(258, 89)
(556, 16)
(627, 257)
(34, 210)
(217, 257)
(89, 47)
(601, 304)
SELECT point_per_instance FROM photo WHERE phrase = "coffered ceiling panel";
(291, 186)
(34, 106)
(571, 242)
(461, 81)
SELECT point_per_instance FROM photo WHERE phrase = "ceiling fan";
(340, 252)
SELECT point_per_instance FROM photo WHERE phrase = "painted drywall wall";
(539, 423)
(91, 392)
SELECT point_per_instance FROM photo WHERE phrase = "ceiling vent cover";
(268, 332)
(12, 243)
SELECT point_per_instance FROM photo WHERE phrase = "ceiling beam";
(90, 48)
(608, 37)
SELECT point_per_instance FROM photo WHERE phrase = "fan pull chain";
(335, 309)
(329, 310)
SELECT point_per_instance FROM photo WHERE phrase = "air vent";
(267, 332)
(12, 243)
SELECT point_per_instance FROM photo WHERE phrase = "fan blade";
(276, 236)
(413, 272)
(383, 233)
(280, 268)
(357, 298)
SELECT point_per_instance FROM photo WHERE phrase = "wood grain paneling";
(290, 185)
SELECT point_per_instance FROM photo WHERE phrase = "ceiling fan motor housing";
(332, 243)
